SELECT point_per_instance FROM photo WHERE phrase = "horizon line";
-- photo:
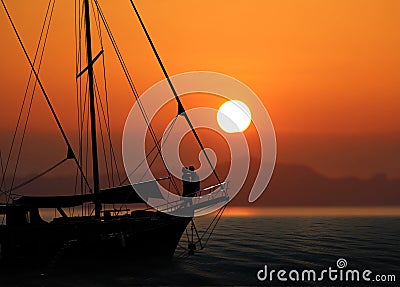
(312, 211)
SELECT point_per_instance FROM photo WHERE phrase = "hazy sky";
(327, 71)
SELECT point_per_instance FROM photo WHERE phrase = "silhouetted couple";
(190, 180)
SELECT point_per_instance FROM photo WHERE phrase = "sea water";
(242, 246)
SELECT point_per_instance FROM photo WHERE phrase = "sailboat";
(97, 233)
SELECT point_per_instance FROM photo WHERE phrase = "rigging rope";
(24, 99)
(70, 150)
(2, 168)
(112, 153)
(39, 175)
(168, 132)
(34, 88)
(101, 132)
(181, 109)
(106, 120)
(133, 89)
(221, 211)
(216, 219)
(78, 88)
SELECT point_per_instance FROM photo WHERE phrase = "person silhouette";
(186, 179)
(195, 180)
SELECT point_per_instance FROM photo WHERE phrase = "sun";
(234, 116)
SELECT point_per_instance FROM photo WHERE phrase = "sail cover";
(53, 201)
(119, 194)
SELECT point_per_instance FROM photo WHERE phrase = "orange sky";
(323, 69)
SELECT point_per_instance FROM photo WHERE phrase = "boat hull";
(86, 240)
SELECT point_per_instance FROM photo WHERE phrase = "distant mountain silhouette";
(291, 185)
(297, 185)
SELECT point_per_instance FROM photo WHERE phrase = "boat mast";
(96, 184)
